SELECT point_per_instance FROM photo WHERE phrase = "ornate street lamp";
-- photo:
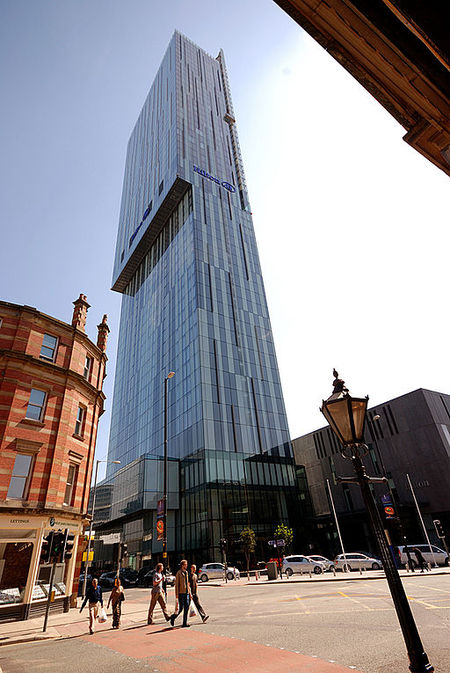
(346, 416)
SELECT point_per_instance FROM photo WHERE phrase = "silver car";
(354, 561)
(217, 571)
(322, 559)
(301, 564)
(429, 556)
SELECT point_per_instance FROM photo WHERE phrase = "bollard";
(429, 566)
(360, 570)
(256, 576)
(310, 574)
(334, 570)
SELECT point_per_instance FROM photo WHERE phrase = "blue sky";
(352, 224)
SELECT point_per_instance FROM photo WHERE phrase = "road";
(350, 623)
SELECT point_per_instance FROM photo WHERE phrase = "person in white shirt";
(157, 595)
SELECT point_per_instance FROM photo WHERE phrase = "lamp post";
(346, 416)
(115, 462)
(169, 376)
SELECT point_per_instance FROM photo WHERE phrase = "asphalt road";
(351, 623)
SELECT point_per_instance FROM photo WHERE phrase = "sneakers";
(149, 621)
(186, 626)
(205, 618)
(172, 620)
(91, 632)
(167, 618)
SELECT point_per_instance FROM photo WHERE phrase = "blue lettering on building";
(144, 217)
(224, 184)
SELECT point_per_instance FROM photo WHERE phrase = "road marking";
(354, 600)
(428, 605)
(443, 591)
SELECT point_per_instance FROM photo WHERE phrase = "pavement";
(189, 649)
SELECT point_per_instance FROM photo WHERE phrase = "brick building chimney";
(80, 312)
(103, 331)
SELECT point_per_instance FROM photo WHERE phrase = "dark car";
(127, 577)
(141, 574)
(148, 579)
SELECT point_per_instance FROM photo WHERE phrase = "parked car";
(353, 561)
(439, 554)
(217, 571)
(147, 581)
(322, 559)
(301, 564)
(127, 577)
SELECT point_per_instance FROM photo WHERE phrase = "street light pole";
(346, 416)
(421, 520)
(165, 475)
(116, 462)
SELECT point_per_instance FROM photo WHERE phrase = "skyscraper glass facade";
(194, 303)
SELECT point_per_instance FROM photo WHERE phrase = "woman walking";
(116, 598)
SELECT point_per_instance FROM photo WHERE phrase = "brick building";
(51, 379)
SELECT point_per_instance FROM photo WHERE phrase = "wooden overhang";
(399, 50)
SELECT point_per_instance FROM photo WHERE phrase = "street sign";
(112, 538)
(277, 543)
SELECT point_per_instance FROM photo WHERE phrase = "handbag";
(101, 617)
(192, 610)
(122, 596)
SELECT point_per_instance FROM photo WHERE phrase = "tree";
(283, 532)
(248, 540)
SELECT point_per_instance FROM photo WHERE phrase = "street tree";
(248, 540)
(283, 532)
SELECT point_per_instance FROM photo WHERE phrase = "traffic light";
(439, 528)
(46, 549)
(57, 550)
(68, 546)
(123, 550)
(223, 545)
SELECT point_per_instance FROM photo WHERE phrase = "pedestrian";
(182, 593)
(94, 596)
(157, 595)
(116, 597)
(420, 559)
(193, 583)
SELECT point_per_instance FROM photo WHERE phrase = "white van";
(439, 554)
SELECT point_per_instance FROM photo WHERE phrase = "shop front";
(25, 574)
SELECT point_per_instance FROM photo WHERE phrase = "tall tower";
(193, 302)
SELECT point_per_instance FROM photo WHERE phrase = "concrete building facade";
(406, 435)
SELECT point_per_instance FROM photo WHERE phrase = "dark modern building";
(193, 303)
(407, 435)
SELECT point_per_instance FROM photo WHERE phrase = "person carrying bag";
(95, 597)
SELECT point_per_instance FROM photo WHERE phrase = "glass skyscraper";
(193, 302)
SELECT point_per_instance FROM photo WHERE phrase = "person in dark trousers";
(182, 594)
(193, 582)
(420, 559)
(116, 598)
(157, 595)
(95, 597)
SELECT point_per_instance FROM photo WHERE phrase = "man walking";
(193, 582)
(157, 595)
(94, 596)
(182, 593)
(420, 559)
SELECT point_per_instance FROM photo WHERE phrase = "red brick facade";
(52, 441)
(51, 379)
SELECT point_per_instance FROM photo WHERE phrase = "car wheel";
(317, 570)
(346, 568)
(204, 577)
(230, 576)
(289, 572)
(375, 566)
